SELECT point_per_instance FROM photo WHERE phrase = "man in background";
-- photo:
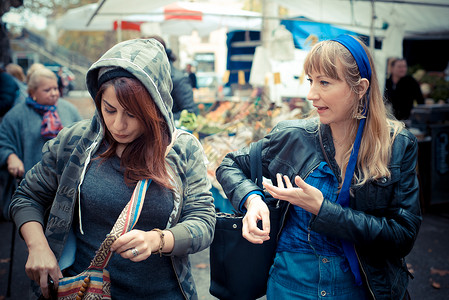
(402, 90)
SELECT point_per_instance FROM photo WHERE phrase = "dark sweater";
(402, 95)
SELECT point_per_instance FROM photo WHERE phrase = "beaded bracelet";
(161, 243)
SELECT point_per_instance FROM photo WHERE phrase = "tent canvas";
(301, 30)
(390, 21)
(419, 18)
(173, 18)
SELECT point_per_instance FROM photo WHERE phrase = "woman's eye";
(109, 111)
(130, 115)
(324, 82)
(309, 80)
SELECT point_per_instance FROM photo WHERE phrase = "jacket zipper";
(177, 278)
(364, 274)
(181, 196)
(288, 206)
(308, 226)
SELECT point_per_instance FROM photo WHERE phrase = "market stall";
(233, 123)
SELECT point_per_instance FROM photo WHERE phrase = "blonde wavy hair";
(36, 76)
(381, 127)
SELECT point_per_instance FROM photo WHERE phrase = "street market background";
(248, 58)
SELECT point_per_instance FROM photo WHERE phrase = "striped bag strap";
(125, 222)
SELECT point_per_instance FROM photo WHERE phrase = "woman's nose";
(119, 122)
(312, 94)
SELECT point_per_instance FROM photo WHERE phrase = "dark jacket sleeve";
(234, 176)
(392, 227)
(8, 92)
(36, 192)
(182, 94)
(418, 96)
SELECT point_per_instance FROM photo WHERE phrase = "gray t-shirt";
(104, 194)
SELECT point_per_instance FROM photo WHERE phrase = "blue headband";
(358, 52)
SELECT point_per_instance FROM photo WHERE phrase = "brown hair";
(145, 156)
(16, 71)
(377, 140)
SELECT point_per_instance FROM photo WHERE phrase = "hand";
(40, 265)
(304, 196)
(144, 243)
(257, 210)
(15, 165)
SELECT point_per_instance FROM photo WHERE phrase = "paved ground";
(428, 261)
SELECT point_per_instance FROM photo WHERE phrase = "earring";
(358, 112)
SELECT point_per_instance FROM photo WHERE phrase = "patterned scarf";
(51, 123)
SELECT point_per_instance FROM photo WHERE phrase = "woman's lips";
(321, 109)
(120, 136)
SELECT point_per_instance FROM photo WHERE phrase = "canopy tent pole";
(371, 31)
(95, 12)
(270, 20)
(119, 30)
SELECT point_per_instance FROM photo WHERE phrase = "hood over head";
(146, 60)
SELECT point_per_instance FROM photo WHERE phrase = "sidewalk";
(428, 261)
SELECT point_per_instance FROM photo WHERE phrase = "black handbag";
(239, 269)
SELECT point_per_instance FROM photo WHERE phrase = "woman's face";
(47, 92)
(332, 98)
(122, 125)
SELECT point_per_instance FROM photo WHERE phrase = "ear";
(363, 87)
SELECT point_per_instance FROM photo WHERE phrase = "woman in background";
(27, 126)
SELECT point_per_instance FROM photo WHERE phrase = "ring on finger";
(135, 252)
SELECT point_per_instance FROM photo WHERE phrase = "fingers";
(42, 266)
(300, 182)
(43, 282)
(136, 245)
(280, 181)
(21, 172)
(288, 184)
(258, 211)
(55, 276)
(16, 169)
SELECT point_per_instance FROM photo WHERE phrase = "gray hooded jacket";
(54, 184)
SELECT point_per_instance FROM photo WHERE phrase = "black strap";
(322, 148)
(255, 160)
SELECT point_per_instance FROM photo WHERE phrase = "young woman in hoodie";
(88, 173)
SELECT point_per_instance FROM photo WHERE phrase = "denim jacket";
(383, 217)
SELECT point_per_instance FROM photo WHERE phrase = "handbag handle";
(125, 222)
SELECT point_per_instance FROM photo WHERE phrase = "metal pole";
(119, 30)
(371, 35)
(270, 20)
(11, 256)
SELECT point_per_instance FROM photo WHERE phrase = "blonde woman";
(28, 125)
(346, 180)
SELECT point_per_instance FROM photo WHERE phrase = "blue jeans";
(310, 276)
